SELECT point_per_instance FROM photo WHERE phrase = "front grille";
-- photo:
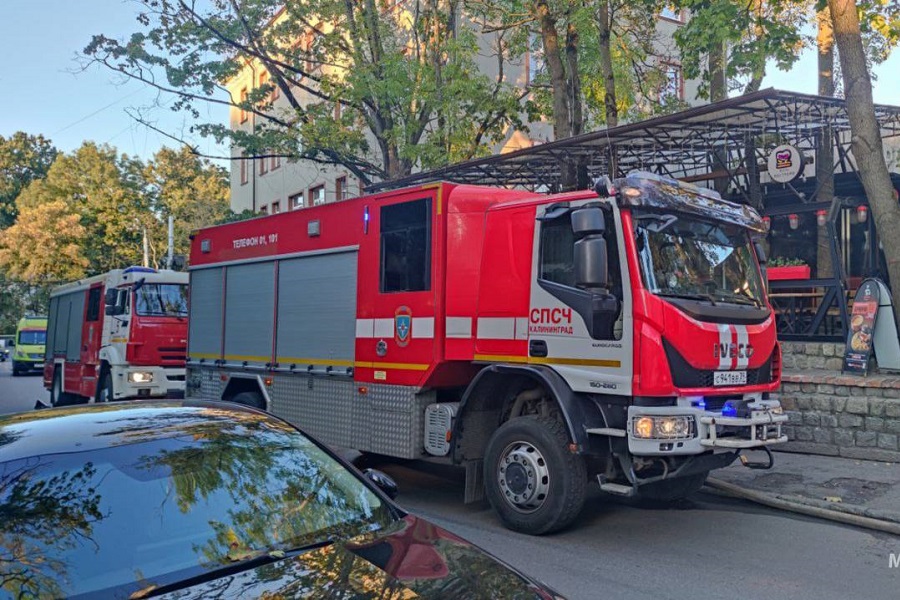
(182, 349)
(175, 377)
(175, 357)
(686, 376)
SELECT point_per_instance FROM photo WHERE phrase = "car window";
(184, 495)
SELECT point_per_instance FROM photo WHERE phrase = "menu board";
(861, 332)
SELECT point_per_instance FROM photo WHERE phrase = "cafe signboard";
(861, 332)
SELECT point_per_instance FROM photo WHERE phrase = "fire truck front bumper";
(149, 382)
(686, 430)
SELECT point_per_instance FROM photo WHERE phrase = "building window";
(295, 201)
(340, 189)
(243, 105)
(276, 208)
(317, 195)
(263, 210)
(276, 162)
(406, 247)
(673, 86)
(263, 165)
(671, 13)
(243, 171)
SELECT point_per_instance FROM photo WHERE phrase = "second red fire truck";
(122, 334)
(620, 335)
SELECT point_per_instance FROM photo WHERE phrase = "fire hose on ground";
(849, 515)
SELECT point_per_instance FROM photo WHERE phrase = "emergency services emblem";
(402, 325)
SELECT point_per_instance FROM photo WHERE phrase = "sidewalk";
(860, 487)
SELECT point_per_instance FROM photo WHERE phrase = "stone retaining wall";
(841, 415)
(812, 355)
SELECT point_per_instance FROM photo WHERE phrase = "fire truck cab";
(119, 335)
(620, 335)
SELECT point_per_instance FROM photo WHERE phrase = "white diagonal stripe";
(742, 339)
(724, 346)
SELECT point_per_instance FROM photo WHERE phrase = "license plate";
(730, 378)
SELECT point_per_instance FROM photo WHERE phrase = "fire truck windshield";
(161, 300)
(682, 257)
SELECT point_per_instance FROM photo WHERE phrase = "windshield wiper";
(741, 299)
(264, 558)
(706, 297)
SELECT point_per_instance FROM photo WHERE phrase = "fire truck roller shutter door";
(317, 311)
(205, 322)
(76, 316)
(249, 312)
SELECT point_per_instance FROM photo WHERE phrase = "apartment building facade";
(273, 184)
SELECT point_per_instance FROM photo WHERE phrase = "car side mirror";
(383, 481)
(591, 263)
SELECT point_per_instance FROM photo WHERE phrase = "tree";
(23, 158)
(377, 91)
(194, 191)
(45, 244)
(866, 134)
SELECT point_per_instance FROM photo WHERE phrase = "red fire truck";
(119, 335)
(618, 335)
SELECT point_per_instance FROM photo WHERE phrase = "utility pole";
(171, 254)
(146, 248)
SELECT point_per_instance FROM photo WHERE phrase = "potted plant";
(787, 268)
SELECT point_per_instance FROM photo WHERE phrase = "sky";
(47, 92)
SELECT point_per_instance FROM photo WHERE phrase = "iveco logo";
(732, 350)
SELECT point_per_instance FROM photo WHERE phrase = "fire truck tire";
(531, 479)
(57, 396)
(670, 490)
(253, 399)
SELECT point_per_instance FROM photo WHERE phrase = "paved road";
(707, 547)
(19, 393)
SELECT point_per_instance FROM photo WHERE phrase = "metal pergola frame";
(690, 145)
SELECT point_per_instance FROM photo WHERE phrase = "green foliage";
(753, 32)
(23, 158)
(781, 261)
(90, 213)
(405, 79)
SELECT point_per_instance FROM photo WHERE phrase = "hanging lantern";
(767, 223)
(820, 217)
(862, 213)
(794, 221)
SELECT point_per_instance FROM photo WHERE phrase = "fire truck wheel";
(531, 479)
(670, 490)
(250, 399)
(57, 396)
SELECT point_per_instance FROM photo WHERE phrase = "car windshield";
(173, 497)
(689, 258)
(32, 338)
(161, 300)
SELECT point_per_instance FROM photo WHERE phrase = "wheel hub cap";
(523, 476)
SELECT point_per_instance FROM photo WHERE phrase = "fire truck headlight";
(663, 428)
(643, 427)
(140, 377)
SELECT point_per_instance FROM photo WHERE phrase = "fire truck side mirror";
(591, 263)
(760, 253)
(588, 221)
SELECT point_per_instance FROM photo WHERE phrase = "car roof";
(98, 426)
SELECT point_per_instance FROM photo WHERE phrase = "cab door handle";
(537, 348)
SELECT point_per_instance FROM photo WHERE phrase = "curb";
(859, 517)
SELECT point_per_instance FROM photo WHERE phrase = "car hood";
(412, 558)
